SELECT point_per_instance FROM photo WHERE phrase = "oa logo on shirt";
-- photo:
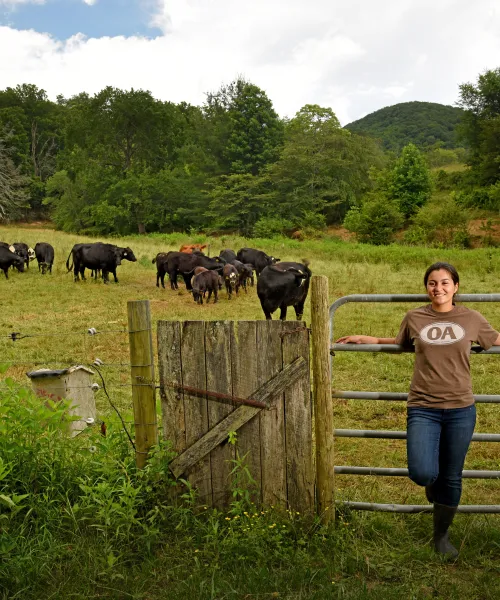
(442, 333)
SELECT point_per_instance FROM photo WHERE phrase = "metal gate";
(394, 397)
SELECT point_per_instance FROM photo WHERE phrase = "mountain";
(423, 123)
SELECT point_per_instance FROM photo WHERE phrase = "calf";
(231, 279)
(206, 281)
(45, 256)
(245, 273)
(161, 268)
(283, 285)
(24, 251)
(259, 259)
(9, 259)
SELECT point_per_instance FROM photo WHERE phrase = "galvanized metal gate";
(394, 397)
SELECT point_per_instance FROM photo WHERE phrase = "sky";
(354, 56)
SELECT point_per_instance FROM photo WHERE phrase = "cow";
(231, 279)
(190, 248)
(161, 267)
(245, 273)
(45, 256)
(176, 263)
(206, 281)
(24, 251)
(259, 259)
(228, 255)
(9, 259)
(282, 285)
(98, 256)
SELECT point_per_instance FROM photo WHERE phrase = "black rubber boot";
(443, 518)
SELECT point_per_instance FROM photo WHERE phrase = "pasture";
(55, 305)
(57, 312)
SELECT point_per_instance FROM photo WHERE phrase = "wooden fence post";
(323, 402)
(143, 378)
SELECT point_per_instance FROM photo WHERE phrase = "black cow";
(259, 259)
(24, 251)
(98, 256)
(228, 255)
(45, 256)
(9, 259)
(175, 263)
(206, 281)
(282, 285)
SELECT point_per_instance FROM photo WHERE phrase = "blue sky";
(65, 18)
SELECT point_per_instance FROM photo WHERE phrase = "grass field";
(57, 312)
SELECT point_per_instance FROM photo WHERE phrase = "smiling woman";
(63, 19)
(441, 414)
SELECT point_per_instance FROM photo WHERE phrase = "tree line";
(121, 162)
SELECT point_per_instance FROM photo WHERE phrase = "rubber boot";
(443, 518)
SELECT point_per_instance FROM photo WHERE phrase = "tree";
(13, 187)
(375, 221)
(322, 169)
(246, 132)
(409, 183)
(481, 125)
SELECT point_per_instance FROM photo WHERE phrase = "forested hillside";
(122, 161)
(421, 123)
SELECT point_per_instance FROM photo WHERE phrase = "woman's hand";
(357, 339)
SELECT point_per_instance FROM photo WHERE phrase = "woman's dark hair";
(442, 265)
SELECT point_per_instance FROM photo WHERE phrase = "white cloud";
(353, 55)
(90, 2)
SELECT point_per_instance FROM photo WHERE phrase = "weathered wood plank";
(323, 401)
(244, 370)
(142, 370)
(298, 422)
(195, 408)
(218, 365)
(272, 429)
(285, 378)
(170, 373)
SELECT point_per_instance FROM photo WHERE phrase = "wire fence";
(114, 388)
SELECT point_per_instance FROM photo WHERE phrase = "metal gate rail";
(395, 396)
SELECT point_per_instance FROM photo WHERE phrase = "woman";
(441, 413)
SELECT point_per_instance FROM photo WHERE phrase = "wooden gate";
(247, 376)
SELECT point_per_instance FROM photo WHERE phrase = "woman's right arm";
(364, 339)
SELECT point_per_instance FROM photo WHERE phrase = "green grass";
(386, 556)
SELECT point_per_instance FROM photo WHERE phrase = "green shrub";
(375, 221)
(268, 227)
(443, 224)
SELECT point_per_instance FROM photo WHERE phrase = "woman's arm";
(497, 341)
(366, 339)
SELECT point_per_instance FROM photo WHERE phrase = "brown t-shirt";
(441, 377)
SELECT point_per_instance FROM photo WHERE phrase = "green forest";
(122, 162)
(424, 124)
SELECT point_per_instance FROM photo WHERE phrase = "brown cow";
(190, 248)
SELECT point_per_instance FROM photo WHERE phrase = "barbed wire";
(17, 335)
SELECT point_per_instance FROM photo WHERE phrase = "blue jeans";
(437, 442)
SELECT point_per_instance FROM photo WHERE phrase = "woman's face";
(441, 289)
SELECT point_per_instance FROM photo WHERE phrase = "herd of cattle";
(279, 284)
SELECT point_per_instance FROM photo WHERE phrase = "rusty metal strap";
(192, 391)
